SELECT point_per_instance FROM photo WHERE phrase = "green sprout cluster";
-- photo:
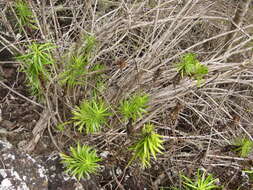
(75, 72)
(24, 14)
(149, 144)
(244, 146)
(90, 115)
(134, 107)
(82, 162)
(203, 181)
(190, 66)
(75, 69)
(88, 46)
(35, 65)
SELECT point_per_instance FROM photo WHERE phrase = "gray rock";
(19, 171)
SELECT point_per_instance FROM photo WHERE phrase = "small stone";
(18, 36)
(22, 144)
(4, 145)
(53, 168)
(118, 171)
(6, 183)
(104, 154)
(21, 172)
(3, 173)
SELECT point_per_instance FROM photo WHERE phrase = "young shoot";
(90, 115)
(76, 67)
(82, 161)
(89, 45)
(24, 14)
(244, 146)
(35, 65)
(203, 181)
(75, 72)
(191, 67)
(134, 107)
(150, 144)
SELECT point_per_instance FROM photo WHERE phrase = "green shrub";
(134, 107)
(75, 73)
(75, 70)
(149, 144)
(90, 115)
(24, 14)
(88, 46)
(202, 181)
(82, 162)
(244, 146)
(34, 65)
(190, 66)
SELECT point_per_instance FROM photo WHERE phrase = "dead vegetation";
(139, 43)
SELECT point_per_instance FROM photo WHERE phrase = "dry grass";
(150, 36)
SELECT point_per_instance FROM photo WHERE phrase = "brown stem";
(237, 21)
